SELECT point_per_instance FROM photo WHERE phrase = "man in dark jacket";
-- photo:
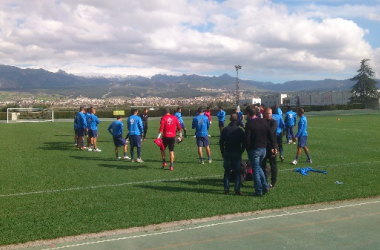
(257, 134)
(272, 157)
(232, 146)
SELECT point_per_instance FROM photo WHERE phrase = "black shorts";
(169, 141)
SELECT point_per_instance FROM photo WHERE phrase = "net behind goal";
(29, 115)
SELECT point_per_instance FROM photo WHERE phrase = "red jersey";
(208, 114)
(169, 123)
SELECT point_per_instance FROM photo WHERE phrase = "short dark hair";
(200, 110)
(233, 117)
(166, 110)
(118, 117)
(133, 111)
(275, 110)
(179, 108)
(208, 108)
(220, 107)
(251, 112)
(301, 110)
(289, 108)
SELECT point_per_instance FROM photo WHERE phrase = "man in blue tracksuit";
(136, 129)
(92, 124)
(221, 118)
(81, 127)
(280, 126)
(301, 136)
(290, 122)
(116, 130)
(201, 124)
(178, 114)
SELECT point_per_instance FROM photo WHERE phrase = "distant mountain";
(32, 80)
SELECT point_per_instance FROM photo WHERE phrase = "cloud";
(174, 37)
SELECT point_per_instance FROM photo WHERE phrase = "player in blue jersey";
(280, 126)
(81, 127)
(279, 110)
(136, 130)
(178, 114)
(221, 118)
(116, 130)
(290, 123)
(201, 124)
(92, 124)
(301, 136)
(240, 116)
(75, 129)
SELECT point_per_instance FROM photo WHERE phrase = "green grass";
(50, 190)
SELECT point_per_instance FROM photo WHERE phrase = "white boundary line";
(217, 224)
(153, 181)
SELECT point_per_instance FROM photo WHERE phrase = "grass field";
(50, 190)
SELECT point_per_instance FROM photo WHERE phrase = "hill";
(33, 80)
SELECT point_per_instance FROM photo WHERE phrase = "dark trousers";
(273, 166)
(232, 161)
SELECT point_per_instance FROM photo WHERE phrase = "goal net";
(29, 115)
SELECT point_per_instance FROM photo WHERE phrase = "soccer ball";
(178, 140)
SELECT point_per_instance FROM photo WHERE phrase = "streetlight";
(237, 84)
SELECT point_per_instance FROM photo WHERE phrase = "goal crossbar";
(30, 115)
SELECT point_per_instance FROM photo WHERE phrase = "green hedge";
(67, 114)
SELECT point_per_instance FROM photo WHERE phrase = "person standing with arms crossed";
(116, 130)
(169, 124)
(221, 118)
(232, 146)
(136, 129)
(301, 136)
(201, 124)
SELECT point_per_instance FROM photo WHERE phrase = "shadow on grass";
(58, 146)
(89, 156)
(124, 166)
(181, 189)
(66, 135)
(215, 182)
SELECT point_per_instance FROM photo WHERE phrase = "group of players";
(262, 138)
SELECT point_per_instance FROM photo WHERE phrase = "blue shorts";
(93, 133)
(183, 126)
(302, 141)
(221, 124)
(119, 141)
(81, 131)
(202, 141)
(135, 141)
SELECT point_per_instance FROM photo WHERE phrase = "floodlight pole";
(237, 84)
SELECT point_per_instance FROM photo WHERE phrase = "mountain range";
(39, 80)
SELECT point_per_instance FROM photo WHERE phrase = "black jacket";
(258, 134)
(232, 139)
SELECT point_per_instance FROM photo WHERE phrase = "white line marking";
(217, 224)
(154, 181)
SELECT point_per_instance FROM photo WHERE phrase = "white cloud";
(142, 37)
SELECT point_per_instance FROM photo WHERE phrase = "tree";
(365, 87)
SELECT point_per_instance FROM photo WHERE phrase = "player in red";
(208, 114)
(169, 125)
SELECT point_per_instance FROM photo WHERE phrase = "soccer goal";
(30, 115)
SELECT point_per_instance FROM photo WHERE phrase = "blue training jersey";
(116, 128)
(135, 125)
(81, 120)
(92, 122)
(221, 115)
(179, 117)
(290, 118)
(280, 123)
(302, 126)
(201, 125)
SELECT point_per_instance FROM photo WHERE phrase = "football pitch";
(49, 190)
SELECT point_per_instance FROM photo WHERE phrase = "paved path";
(342, 225)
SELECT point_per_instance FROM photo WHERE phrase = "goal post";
(30, 115)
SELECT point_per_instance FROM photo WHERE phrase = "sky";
(273, 40)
